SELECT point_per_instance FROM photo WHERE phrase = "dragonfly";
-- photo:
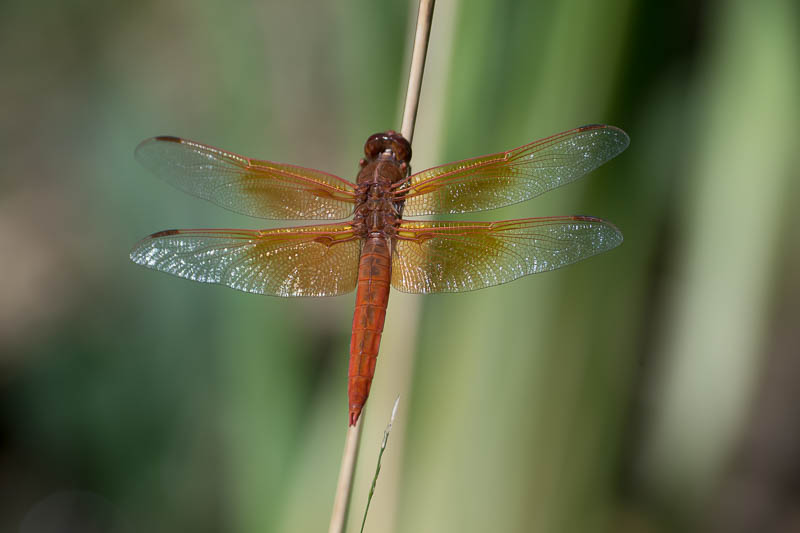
(366, 242)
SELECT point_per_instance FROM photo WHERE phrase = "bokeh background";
(654, 388)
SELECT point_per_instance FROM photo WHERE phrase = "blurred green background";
(654, 388)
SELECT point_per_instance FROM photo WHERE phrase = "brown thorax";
(378, 209)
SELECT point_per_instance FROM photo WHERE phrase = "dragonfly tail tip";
(355, 412)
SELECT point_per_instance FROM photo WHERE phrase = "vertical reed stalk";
(345, 484)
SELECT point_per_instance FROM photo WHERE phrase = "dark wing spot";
(165, 233)
(589, 127)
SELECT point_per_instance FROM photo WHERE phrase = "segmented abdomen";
(372, 297)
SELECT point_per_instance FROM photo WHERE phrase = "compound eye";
(401, 148)
(390, 140)
(374, 146)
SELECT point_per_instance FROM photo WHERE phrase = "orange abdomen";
(372, 297)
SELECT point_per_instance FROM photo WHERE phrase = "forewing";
(300, 261)
(249, 186)
(509, 177)
(464, 256)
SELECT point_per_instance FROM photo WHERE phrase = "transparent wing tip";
(608, 235)
(616, 139)
(145, 252)
(162, 155)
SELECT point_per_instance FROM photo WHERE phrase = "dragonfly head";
(390, 141)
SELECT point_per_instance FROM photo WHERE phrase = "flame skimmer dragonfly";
(378, 247)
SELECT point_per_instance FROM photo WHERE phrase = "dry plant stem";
(424, 20)
(344, 487)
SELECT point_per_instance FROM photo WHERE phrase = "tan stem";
(341, 502)
(424, 20)
(344, 487)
